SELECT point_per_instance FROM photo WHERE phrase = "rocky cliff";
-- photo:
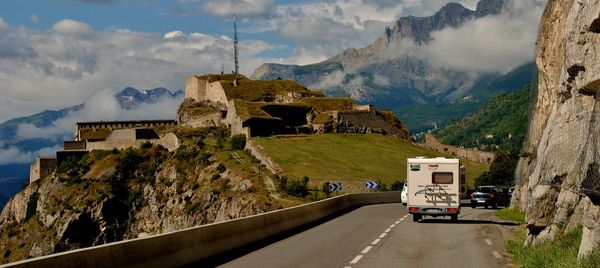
(113, 195)
(558, 177)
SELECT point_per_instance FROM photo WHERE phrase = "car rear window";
(442, 178)
(484, 190)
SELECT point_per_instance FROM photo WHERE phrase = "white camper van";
(435, 186)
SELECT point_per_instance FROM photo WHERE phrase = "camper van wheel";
(416, 217)
(454, 217)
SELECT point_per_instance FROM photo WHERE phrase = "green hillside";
(352, 159)
(500, 125)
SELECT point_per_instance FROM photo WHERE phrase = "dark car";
(489, 196)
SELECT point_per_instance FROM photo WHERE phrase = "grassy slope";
(353, 159)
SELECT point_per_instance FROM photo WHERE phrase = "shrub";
(325, 188)
(238, 142)
(32, 205)
(221, 168)
(397, 185)
(146, 145)
(297, 188)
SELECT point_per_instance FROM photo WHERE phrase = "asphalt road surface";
(385, 236)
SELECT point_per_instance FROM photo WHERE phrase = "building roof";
(126, 122)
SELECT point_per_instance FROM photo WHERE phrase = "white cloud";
(56, 68)
(489, 44)
(242, 8)
(381, 80)
(34, 18)
(331, 80)
(13, 155)
(71, 27)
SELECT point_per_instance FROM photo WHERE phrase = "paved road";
(386, 236)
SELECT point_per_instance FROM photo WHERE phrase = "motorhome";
(435, 186)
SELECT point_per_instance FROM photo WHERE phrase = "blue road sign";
(335, 186)
(371, 185)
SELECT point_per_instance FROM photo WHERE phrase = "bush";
(32, 205)
(238, 142)
(397, 185)
(501, 171)
(297, 188)
(325, 188)
(146, 145)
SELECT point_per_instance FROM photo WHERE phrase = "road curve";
(385, 236)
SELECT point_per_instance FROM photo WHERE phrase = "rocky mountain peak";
(489, 7)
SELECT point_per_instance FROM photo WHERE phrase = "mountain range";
(390, 74)
(14, 175)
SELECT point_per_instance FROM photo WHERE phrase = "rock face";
(558, 177)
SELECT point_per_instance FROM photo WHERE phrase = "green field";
(353, 159)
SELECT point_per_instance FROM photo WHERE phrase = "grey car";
(489, 196)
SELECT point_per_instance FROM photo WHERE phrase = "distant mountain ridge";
(408, 78)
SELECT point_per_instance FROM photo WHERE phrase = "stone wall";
(475, 155)
(259, 153)
(125, 138)
(74, 145)
(557, 177)
(41, 168)
(113, 125)
(195, 87)
(208, 120)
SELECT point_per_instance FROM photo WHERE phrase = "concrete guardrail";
(193, 245)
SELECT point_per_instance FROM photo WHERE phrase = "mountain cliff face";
(398, 72)
(558, 177)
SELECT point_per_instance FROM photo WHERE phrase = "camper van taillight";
(413, 209)
(452, 210)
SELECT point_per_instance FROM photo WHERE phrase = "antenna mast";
(235, 46)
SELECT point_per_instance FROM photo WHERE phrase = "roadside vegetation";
(559, 252)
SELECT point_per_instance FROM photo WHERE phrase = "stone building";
(41, 168)
(270, 107)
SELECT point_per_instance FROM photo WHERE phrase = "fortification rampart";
(112, 125)
(41, 168)
(366, 121)
(475, 155)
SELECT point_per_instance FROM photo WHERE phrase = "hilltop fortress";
(274, 107)
(249, 107)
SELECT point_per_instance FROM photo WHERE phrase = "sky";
(59, 53)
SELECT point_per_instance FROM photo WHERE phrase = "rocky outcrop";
(558, 182)
(131, 194)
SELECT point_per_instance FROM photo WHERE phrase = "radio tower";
(235, 46)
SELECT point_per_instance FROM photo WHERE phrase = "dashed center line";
(489, 242)
(375, 242)
(356, 259)
(496, 255)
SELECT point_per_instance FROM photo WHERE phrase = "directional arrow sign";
(371, 185)
(335, 186)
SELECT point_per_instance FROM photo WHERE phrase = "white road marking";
(482, 232)
(388, 230)
(397, 222)
(356, 259)
(366, 250)
(489, 242)
(347, 267)
(375, 241)
(496, 255)
(383, 235)
(393, 225)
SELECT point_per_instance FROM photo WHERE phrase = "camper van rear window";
(442, 178)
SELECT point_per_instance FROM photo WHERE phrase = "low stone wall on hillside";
(475, 155)
(363, 122)
(259, 153)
